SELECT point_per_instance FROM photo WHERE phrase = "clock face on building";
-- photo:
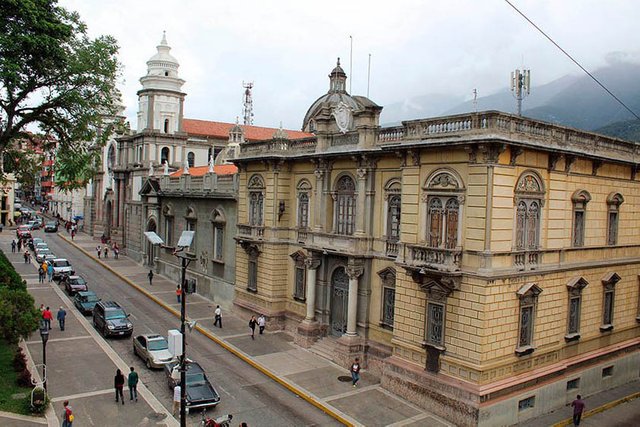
(342, 115)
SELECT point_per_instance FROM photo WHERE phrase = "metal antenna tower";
(520, 86)
(247, 110)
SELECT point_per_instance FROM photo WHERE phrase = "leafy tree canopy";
(52, 75)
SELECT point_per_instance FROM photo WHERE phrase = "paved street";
(82, 364)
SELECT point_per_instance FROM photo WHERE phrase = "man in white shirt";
(176, 399)
(218, 317)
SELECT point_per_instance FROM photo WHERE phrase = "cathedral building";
(485, 265)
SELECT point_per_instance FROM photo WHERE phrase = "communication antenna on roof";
(350, 63)
(520, 86)
(247, 110)
(475, 100)
(368, 75)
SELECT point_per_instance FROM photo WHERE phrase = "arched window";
(304, 190)
(219, 223)
(256, 200)
(393, 198)
(111, 157)
(444, 194)
(613, 210)
(166, 125)
(191, 158)
(164, 155)
(388, 279)
(167, 213)
(580, 199)
(191, 223)
(529, 194)
(345, 206)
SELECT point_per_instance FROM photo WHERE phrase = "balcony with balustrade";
(439, 259)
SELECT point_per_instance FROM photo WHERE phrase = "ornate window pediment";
(577, 284)
(217, 216)
(529, 290)
(610, 279)
(581, 197)
(304, 185)
(388, 276)
(191, 213)
(530, 183)
(299, 257)
(615, 199)
(437, 290)
(256, 183)
(168, 210)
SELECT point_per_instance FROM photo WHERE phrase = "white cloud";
(288, 47)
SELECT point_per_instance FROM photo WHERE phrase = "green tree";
(54, 76)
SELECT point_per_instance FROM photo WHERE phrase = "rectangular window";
(388, 306)
(256, 200)
(578, 228)
(573, 384)
(607, 315)
(303, 210)
(574, 315)
(527, 403)
(612, 234)
(218, 238)
(526, 326)
(252, 284)
(393, 218)
(168, 230)
(191, 226)
(607, 372)
(435, 324)
(300, 281)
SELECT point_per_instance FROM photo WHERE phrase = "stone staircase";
(324, 347)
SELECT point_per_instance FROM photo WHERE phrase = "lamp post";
(44, 334)
(183, 243)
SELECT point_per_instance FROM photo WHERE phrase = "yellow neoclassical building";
(484, 265)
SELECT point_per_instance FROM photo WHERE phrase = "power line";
(574, 61)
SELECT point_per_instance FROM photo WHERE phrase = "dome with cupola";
(162, 69)
(336, 102)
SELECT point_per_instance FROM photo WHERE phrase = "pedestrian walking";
(99, 250)
(27, 257)
(40, 274)
(118, 384)
(261, 323)
(150, 276)
(176, 398)
(50, 271)
(132, 382)
(218, 317)
(62, 314)
(73, 234)
(178, 294)
(19, 245)
(67, 415)
(13, 245)
(578, 408)
(116, 250)
(355, 372)
(106, 251)
(252, 325)
(47, 316)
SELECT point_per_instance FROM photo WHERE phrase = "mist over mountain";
(572, 100)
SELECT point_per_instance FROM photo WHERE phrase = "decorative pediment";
(150, 188)
(256, 182)
(529, 290)
(576, 285)
(530, 182)
(581, 196)
(191, 213)
(615, 199)
(167, 210)
(444, 180)
(388, 276)
(217, 216)
(304, 185)
(437, 290)
(250, 248)
(610, 279)
(298, 257)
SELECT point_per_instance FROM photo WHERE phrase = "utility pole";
(520, 86)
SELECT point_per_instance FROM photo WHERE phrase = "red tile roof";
(221, 130)
(202, 170)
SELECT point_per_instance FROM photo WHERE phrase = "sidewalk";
(306, 374)
(81, 365)
(313, 377)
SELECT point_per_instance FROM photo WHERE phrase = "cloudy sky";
(288, 47)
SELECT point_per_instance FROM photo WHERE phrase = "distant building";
(485, 265)
(7, 199)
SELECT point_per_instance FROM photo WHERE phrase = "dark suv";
(110, 319)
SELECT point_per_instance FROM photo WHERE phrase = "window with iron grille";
(168, 230)
(388, 279)
(300, 282)
(345, 206)
(256, 200)
(580, 198)
(218, 238)
(303, 210)
(435, 324)
(613, 203)
(443, 222)
(607, 314)
(574, 314)
(252, 284)
(393, 217)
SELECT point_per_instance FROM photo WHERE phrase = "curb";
(236, 352)
(602, 408)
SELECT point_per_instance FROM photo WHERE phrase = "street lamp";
(44, 334)
(186, 238)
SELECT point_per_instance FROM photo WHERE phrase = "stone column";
(312, 269)
(360, 204)
(354, 271)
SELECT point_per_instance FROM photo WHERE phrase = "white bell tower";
(161, 100)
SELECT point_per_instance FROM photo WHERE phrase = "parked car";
(85, 301)
(51, 227)
(200, 392)
(33, 241)
(50, 257)
(23, 231)
(61, 267)
(33, 225)
(153, 349)
(73, 284)
(40, 245)
(110, 319)
(42, 253)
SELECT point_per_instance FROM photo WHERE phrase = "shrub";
(18, 315)
(19, 361)
(24, 378)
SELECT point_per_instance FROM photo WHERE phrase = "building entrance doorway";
(151, 249)
(339, 301)
(108, 221)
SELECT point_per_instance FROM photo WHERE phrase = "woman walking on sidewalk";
(118, 384)
(355, 372)
(252, 325)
